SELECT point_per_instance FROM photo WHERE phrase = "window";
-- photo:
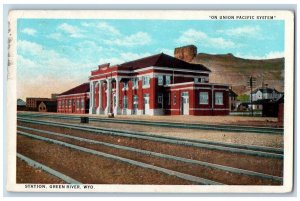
(203, 98)
(62, 103)
(82, 103)
(125, 102)
(70, 103)
(135, 101)
(160, 80)
(174, 99)
(169, 98)
(77, 104)
(168, 79)
(219, 98)
(135, 82)
(199, 80)
(146, 81)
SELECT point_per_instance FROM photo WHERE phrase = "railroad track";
(188, 177)
(64, 140)
(191, 178)
(234, 148)
(225, 128)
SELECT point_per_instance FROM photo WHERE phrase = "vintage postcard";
(150, 101)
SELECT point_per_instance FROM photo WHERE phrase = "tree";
(243, 98)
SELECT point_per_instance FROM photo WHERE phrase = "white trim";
(178, 84)
(182, 89)
(73, 94)
(209, 109)
(169, 69)
(126, 111)
(139, 112)
(199, 88)
(150, 75)
(172, 109)
(152, 68)
(159, 111)
(109, 73)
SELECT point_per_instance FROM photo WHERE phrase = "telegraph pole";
(251, 86)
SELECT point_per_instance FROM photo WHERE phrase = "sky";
(54, 55)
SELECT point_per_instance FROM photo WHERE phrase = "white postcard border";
(150, 14)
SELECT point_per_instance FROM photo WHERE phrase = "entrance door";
(135, 104)
(185, 106)
(146, 104)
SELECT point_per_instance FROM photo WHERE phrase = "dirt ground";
(27, 174)
(267, 140)
(88, 168)
(255, 163)
(204, 172)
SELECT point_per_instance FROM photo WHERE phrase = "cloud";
(29, 31)
(27, 47)
(139, 38)
(192, 36)
(123, 57)
(23, 62)
(242, 31)
(55, 36)
(110, 35)
(275, 54)
(270, 55)
(38, 64)
(102, 27)
(73, 31)
(30, 52)
(165, 50)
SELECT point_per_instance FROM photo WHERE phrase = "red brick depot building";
(75, 100)
(154, 85)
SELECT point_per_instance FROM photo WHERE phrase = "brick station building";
(155, 85)
(75, 100)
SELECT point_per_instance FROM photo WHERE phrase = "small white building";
(263, 94)
(266, 93)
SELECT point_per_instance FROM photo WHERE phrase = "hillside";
(235, 71)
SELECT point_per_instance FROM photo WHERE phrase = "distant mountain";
(235, 71)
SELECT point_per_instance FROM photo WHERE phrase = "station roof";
(83, 88)
(162, 60)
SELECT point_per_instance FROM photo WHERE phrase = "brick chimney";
(185, 53)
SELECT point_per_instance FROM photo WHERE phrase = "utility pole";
(251, 86)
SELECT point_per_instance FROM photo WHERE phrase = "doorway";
(146, 104)
(185, 105)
